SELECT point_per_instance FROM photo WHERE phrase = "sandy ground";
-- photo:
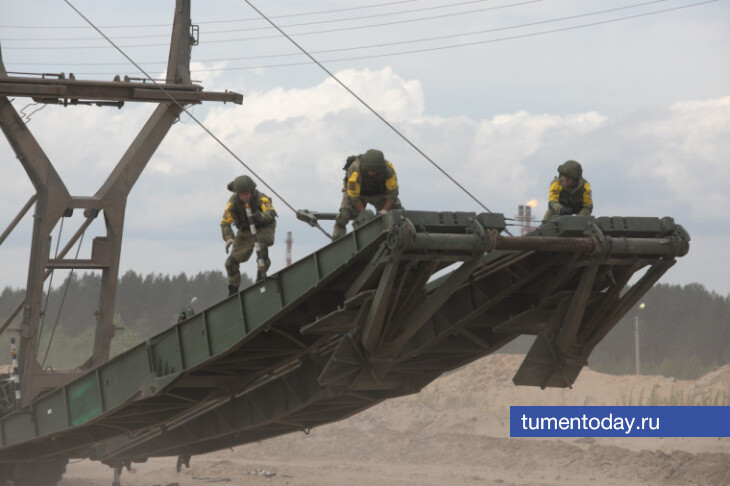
(456, 432)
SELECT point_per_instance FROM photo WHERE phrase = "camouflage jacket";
(235, 213)
(358, 184)
(578, 199)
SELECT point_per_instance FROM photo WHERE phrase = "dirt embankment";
(456, 431)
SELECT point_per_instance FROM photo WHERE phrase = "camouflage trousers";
(243, 248)
(349, 211)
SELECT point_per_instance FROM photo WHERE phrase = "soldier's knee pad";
(344, 217)
(264, 252)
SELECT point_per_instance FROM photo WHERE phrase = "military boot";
(232, 290)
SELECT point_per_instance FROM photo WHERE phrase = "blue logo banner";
(619, 421)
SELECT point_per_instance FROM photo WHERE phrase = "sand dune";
(456, 432)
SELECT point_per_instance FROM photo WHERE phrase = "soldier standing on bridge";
(569, 192)
(264, 221)
(370, 179)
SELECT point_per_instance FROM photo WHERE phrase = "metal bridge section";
(359, 321)
(53, 201)
(377, 314)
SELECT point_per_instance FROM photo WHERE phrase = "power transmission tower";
(53, 201)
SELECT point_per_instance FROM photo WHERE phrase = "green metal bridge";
(377, 314)
(357, 322)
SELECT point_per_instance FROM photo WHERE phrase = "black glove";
(565, 211)
(258, 216)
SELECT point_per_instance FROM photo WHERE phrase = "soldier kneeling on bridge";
(369, 179)
(569, 192)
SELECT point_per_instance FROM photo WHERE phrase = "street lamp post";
(636, 338)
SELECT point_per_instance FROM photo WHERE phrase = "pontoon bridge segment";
(355, 323)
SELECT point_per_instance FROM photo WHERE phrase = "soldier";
(370, 179)
(264, 220)
(569, 192)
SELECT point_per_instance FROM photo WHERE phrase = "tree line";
(684, 331)
(145, 306)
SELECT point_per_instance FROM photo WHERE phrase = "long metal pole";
(17, 219)
(636, 343)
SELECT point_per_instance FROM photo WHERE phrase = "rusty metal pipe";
(546, 243)
(618, 245)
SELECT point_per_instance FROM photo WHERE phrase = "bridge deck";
(357, 322)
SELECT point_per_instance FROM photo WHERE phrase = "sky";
(500, 93)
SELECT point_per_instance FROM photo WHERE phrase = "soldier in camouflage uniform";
(370, 179)
(264, 216)
(569, 192)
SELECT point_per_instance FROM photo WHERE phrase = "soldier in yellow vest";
(264, 221)
(370, 179)
(569, 192)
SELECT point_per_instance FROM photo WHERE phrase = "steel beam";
(379, 307)
(49, 271)
(181, 42)
(567, 337)
(609, 303)
(430, 305)
(54, 201)
(628, 300)
(18, 217)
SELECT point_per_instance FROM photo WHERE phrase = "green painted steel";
(84, 398)
(351, 325)
(132, 374)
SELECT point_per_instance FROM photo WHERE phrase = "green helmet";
(571, 169)
(373, 161)
(242, 184)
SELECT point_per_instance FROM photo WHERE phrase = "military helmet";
(373, 161)
(242, 184)
(571, 169)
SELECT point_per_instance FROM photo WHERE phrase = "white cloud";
(656, 161)
(680, 153)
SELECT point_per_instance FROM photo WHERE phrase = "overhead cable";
(370, 46)
(373, 111)
(346, 19)
(190, 114)
(319, 12)
(357, 27)
(437, 48)
(63, 300)
(452, 46)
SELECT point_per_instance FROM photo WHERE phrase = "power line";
(386, 14)
(373, 111)
(465, 44)
(437, 48)
(387, 44)
(63, 299)
(220, 142)
(209, 21)
(450, 36)
(140, 26)
(358, 27)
